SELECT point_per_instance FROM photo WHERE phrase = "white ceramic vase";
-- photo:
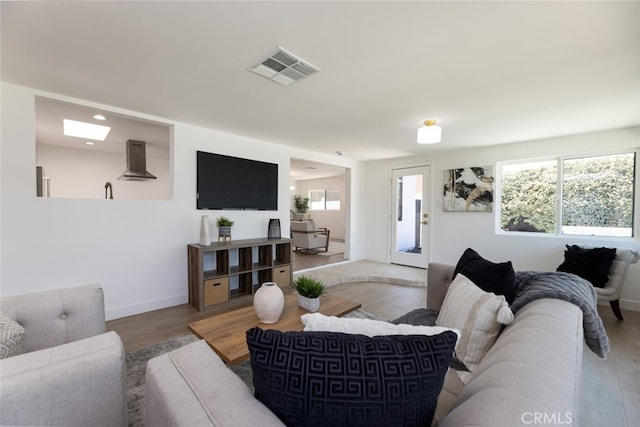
(268, 302)
(309, 304)
(205, 235)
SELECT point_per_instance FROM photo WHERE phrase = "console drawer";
(216, 290)
(282, 275)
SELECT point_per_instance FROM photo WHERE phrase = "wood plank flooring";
(610, 390)
(302, 261)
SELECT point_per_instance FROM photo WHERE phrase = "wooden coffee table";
(225, 333)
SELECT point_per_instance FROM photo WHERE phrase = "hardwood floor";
(302, 261)
(610, 389)
(611, 386)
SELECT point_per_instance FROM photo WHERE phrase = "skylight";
(85, 130)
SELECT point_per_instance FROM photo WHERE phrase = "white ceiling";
(306, 169)
(489, 72)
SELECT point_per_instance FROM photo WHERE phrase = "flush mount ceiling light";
(85, 130)
(429, 133)
(283, 68)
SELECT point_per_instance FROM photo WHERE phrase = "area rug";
(137, 364)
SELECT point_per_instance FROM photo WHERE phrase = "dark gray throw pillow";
(336, 379)
(590, 264)
(499, 278)
(418, 317)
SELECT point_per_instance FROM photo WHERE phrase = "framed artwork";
(468, 189)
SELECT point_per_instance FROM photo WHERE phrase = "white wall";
(78, 173)
(135, 249)
(334, 220)
(453, 232)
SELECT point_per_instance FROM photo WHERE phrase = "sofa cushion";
(314, 322)
(192, 386)
(11, 337)
(590, 264)
(336, 379)
(475, 313)
(498, 278)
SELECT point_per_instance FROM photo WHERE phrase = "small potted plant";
(309, 291)
(302, 206)
(224, 228)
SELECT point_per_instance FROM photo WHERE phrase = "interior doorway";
(327, 189)
(410, 221)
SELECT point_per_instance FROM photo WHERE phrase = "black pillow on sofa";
(499, 278)
(591, 264)
(336, 379)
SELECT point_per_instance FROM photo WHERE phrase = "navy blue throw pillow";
(499, 278)
(591, 264)
(336, 379)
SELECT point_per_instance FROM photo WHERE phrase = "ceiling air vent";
(283, 68)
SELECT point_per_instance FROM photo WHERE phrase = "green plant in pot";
(302, 206)
(224, 227)
(309, 291)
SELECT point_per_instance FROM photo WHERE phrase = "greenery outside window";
(321, 200)
(577, 196)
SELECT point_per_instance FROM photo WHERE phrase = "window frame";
(324, 200)
(559, 160)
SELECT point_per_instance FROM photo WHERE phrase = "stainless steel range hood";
(136, 162)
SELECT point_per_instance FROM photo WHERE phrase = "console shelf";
(219, 272)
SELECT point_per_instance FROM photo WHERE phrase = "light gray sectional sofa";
(531, 374)
(72, 373)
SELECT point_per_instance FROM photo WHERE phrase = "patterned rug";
(137, 363)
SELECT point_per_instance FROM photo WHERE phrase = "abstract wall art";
(468, 189)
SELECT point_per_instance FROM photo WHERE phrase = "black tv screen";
(226, 182)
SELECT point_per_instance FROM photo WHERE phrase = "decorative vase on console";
(309, 291)
(205, 235)
(268, 302)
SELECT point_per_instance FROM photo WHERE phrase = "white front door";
(410, 216)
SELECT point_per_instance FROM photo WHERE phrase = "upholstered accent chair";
(70, 371)
(617, 276)
(306, 235)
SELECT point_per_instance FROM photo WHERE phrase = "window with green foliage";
(584, 196)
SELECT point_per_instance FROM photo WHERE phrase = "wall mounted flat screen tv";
(233, 183)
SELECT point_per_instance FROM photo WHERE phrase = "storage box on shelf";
(219, 272)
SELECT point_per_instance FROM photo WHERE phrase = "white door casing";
(410, 216)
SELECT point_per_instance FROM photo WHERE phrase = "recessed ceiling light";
(85, 130)
(310, 168)
(90, 143)
(99, 117)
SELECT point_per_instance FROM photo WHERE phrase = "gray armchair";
(306, 235)
(72, 373)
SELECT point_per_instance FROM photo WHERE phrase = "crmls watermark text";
(547, 418)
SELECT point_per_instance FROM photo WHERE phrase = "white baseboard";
(628, 304)
(625, 304)
(130, 310)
